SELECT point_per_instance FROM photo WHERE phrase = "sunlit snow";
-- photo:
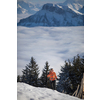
(27, 92)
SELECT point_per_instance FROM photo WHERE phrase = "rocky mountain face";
(54, 15)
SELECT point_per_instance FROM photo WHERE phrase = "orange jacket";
(52, 76)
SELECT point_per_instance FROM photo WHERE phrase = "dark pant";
(53, 85)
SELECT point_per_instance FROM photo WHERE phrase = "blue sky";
(45, 1)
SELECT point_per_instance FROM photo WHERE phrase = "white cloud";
(52, 44)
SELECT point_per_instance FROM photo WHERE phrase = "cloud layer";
(52, 44)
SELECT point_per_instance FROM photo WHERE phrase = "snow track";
(27, 92)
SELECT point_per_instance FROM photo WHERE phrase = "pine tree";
(71, 75)
(77, 71)
(18, 78)
(44, 79)
(25, 75)
(31, 73)
(64, 84)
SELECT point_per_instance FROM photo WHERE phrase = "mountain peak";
(54, 15)
(51, 7)
(73, 4)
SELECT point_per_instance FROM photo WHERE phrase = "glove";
(57, 79)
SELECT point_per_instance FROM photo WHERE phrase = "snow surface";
(27, 92)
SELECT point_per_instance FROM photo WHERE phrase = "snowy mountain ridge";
(27, 7)
(73, 4)
(54, 7)
(27, 92)
(54, 15)
(20, 10)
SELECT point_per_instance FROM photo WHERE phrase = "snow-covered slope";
(82, 10)
(26, 7)
(54, 15)
(20, 10)
(73, 4)
(27, 92)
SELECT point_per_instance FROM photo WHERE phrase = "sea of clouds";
(52, 44)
